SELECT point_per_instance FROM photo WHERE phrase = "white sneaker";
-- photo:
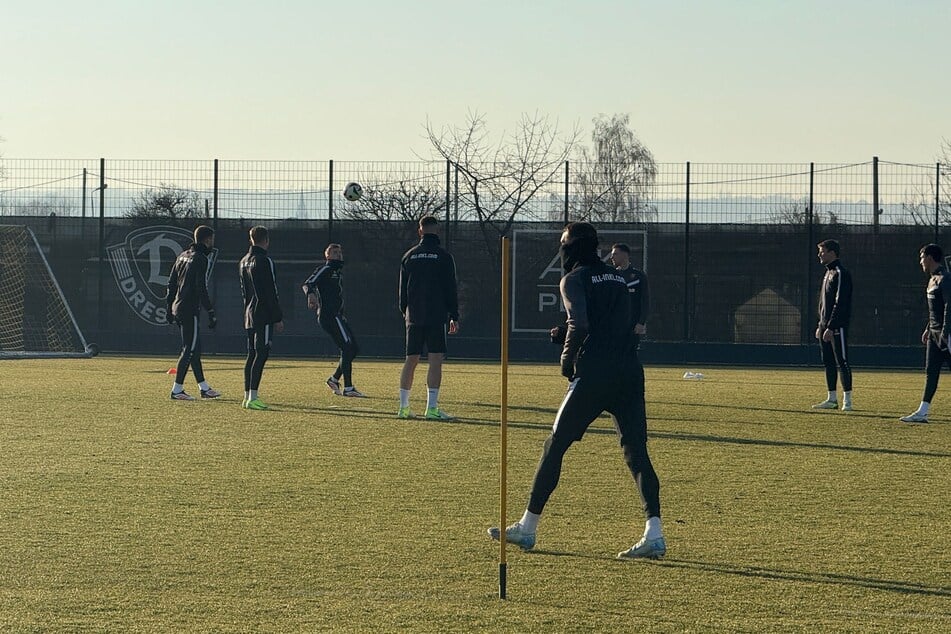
(827, 404)
(914, 417)
(846, 407)
(645, 549)
(516, 535)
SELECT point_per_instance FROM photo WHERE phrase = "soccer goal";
(35, 319)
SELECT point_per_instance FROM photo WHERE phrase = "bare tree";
(396, 201)
(166, 202)
(796, 212)
(616, 175)
(500, 183)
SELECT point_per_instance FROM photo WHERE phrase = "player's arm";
(270, 291)
(451, 289)
(945, 287)
(572, 295)
(645, 300)
(171, 290)
(311, 286)
(843, 300)
(201, 284)
(404, 280)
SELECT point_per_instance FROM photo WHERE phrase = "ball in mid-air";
(352, 191)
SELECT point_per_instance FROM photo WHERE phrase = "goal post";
(35, 318)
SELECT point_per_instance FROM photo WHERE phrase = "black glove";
(557, 335)
(170, 319)
(212, 320)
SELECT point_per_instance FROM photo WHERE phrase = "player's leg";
(578, 410)
(414, 347)
(262, 349)
(333, 381)
(829, 363)
(436, 346)
(840, 349)
(348, 352)
(934, 358)
(189, 331)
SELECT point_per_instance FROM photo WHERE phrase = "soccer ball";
(352, 191)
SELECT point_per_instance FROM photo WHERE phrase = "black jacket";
(259, 289)
(639, 292)
(428, 284)
(835, 298)
(599, 327)
(939, 305)
(187, 290)
(326, 283)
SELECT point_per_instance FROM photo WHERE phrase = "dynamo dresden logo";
(141, 266)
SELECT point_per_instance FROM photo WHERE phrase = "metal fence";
(872, 192)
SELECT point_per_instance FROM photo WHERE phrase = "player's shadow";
(776, 574)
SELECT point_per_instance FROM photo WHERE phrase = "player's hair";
(582, 230)
(620, 246)
(332, 245)
(934, 252)
(202, 233)
(830, 245)
(428, 221)
(258, 234)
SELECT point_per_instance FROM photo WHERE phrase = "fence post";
(811, 236)
(687, 258)
(214, 198)
(330, 202)
(455, 196)
(937, 200)
(448, 200)
(875, 204)
(102, 245)
(567, 191)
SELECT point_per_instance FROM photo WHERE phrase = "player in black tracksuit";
(835, 311)
(324, 292)
(428, 300)
(262, 312)
(937, 333)
(597, 359)
(185, 297)
(637, 288)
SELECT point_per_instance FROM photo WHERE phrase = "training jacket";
(639, 292)
(599, 333)
(259, 289)
(939, 294)
(326, 282)
(187, 290)
(428, 284)
(835, 298)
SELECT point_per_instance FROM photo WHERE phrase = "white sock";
(529, 521)
(203, 386)
(178, 388)
(404, 398)
(247, 395)
(832, 396)
(432, 398)
(847, 398)
(923, 408)
(252, 395)
(653, 530)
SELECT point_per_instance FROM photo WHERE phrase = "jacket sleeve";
(843, 300)
(266, 287)
(201, 284)
(403, 282)
(171, 289)
(310, 284)
(645, 298)
(452, 292)
(945, 288)
(572, 294)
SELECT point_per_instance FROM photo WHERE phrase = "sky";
(718, 81)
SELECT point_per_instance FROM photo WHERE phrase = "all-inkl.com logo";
(141, 266)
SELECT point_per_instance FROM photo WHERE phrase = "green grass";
(122, 510)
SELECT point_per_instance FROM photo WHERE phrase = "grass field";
(121, 510)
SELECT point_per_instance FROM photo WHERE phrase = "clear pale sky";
(718, 81)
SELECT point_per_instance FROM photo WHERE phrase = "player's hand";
(312, 301)
(827, 335)
(279, 326)
(818, 333)
(557, 335)
(453, 327)
(170, 319)
(640, 329)
(924, 337)
(567, 369)
(212, 320)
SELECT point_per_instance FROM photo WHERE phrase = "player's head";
(579, 245)
(204, 235)
(620, 255)
(260, 237)
(333, 251)
(428, 224)
(828, 251)
(931, 256)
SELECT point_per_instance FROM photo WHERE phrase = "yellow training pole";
(503, 459)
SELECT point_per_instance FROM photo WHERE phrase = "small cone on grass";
(172, 371)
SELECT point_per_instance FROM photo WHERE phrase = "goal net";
(35, 319)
